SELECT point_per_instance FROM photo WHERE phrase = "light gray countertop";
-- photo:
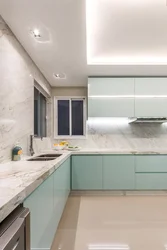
(19, 179)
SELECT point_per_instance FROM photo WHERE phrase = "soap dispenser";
(16, 152)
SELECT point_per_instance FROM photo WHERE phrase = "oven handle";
(11, 233)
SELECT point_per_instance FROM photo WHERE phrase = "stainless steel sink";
(45, 157)
(49, 155)
(42, 159)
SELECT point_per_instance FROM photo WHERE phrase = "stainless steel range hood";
(148, 120)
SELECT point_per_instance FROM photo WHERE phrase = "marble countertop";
(20, 179)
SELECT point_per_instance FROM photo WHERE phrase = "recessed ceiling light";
(59, 75)
(35, 33)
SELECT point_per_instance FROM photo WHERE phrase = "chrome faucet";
(31, 145)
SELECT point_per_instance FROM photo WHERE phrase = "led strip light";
(128, 96)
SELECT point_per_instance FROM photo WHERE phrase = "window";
(70, 118)
(39, 114)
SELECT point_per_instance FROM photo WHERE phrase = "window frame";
(39, 114)
(69, 98)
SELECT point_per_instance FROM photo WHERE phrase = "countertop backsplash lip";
(19, 179)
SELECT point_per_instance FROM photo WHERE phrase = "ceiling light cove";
(125, 32)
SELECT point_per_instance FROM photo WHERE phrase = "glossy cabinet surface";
(127, 97)
(151, 164)
(61, 190)
(110, 86)
(151, 107)
(46, 206)
(111, 107)
(87, 172)
(151, 86)
(151, 181)
(118, 172)
(40, 203)
(107, 97)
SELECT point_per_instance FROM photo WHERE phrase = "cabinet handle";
(15, 246)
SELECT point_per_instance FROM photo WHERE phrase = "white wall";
(70, 91)
(17, 74)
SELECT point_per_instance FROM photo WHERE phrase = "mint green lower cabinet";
(40, 203)
(46, 206)
(151, 181)
(87, 172)
(118, 172)
(151, 163)
(61, 190)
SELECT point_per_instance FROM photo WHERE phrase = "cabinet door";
(40, 203)
(61, 190)
(111, 97)
(118, 172)
(146, 106)
(87, 172)
(110, 86)
(110, 107)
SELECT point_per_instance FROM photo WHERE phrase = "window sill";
(84, 137)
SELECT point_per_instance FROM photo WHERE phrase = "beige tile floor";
(132, 222)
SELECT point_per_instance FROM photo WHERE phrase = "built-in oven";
(15, 230)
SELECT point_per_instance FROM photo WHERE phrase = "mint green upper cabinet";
(111, 107)
(150, 87)
(118, 172)
(87, 172)
(40, 203)
(110, 97)
(110, 86)
(61, 190)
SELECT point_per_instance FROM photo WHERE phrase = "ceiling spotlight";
(35, 33)
(59, 75)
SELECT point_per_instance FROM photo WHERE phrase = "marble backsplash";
(118, 134)
(17, 74)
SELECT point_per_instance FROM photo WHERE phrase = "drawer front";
(151, 163)
(151, 181)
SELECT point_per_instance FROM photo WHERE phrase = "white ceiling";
(124, 37)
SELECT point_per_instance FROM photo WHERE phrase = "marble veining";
(117, 135)
(17, 74)
(20, 179)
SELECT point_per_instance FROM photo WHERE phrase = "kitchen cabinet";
(40, 203)
(87, 172)
(46, 206)
(151, 181)
(151, 172)
(61, 190)
(151, 164)
(154, 88)
(118, 172)
(110, 86)
(111, 97)
(111, 107)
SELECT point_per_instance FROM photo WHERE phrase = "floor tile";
(113, 223)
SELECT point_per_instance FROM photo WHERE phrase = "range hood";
(149, 120)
